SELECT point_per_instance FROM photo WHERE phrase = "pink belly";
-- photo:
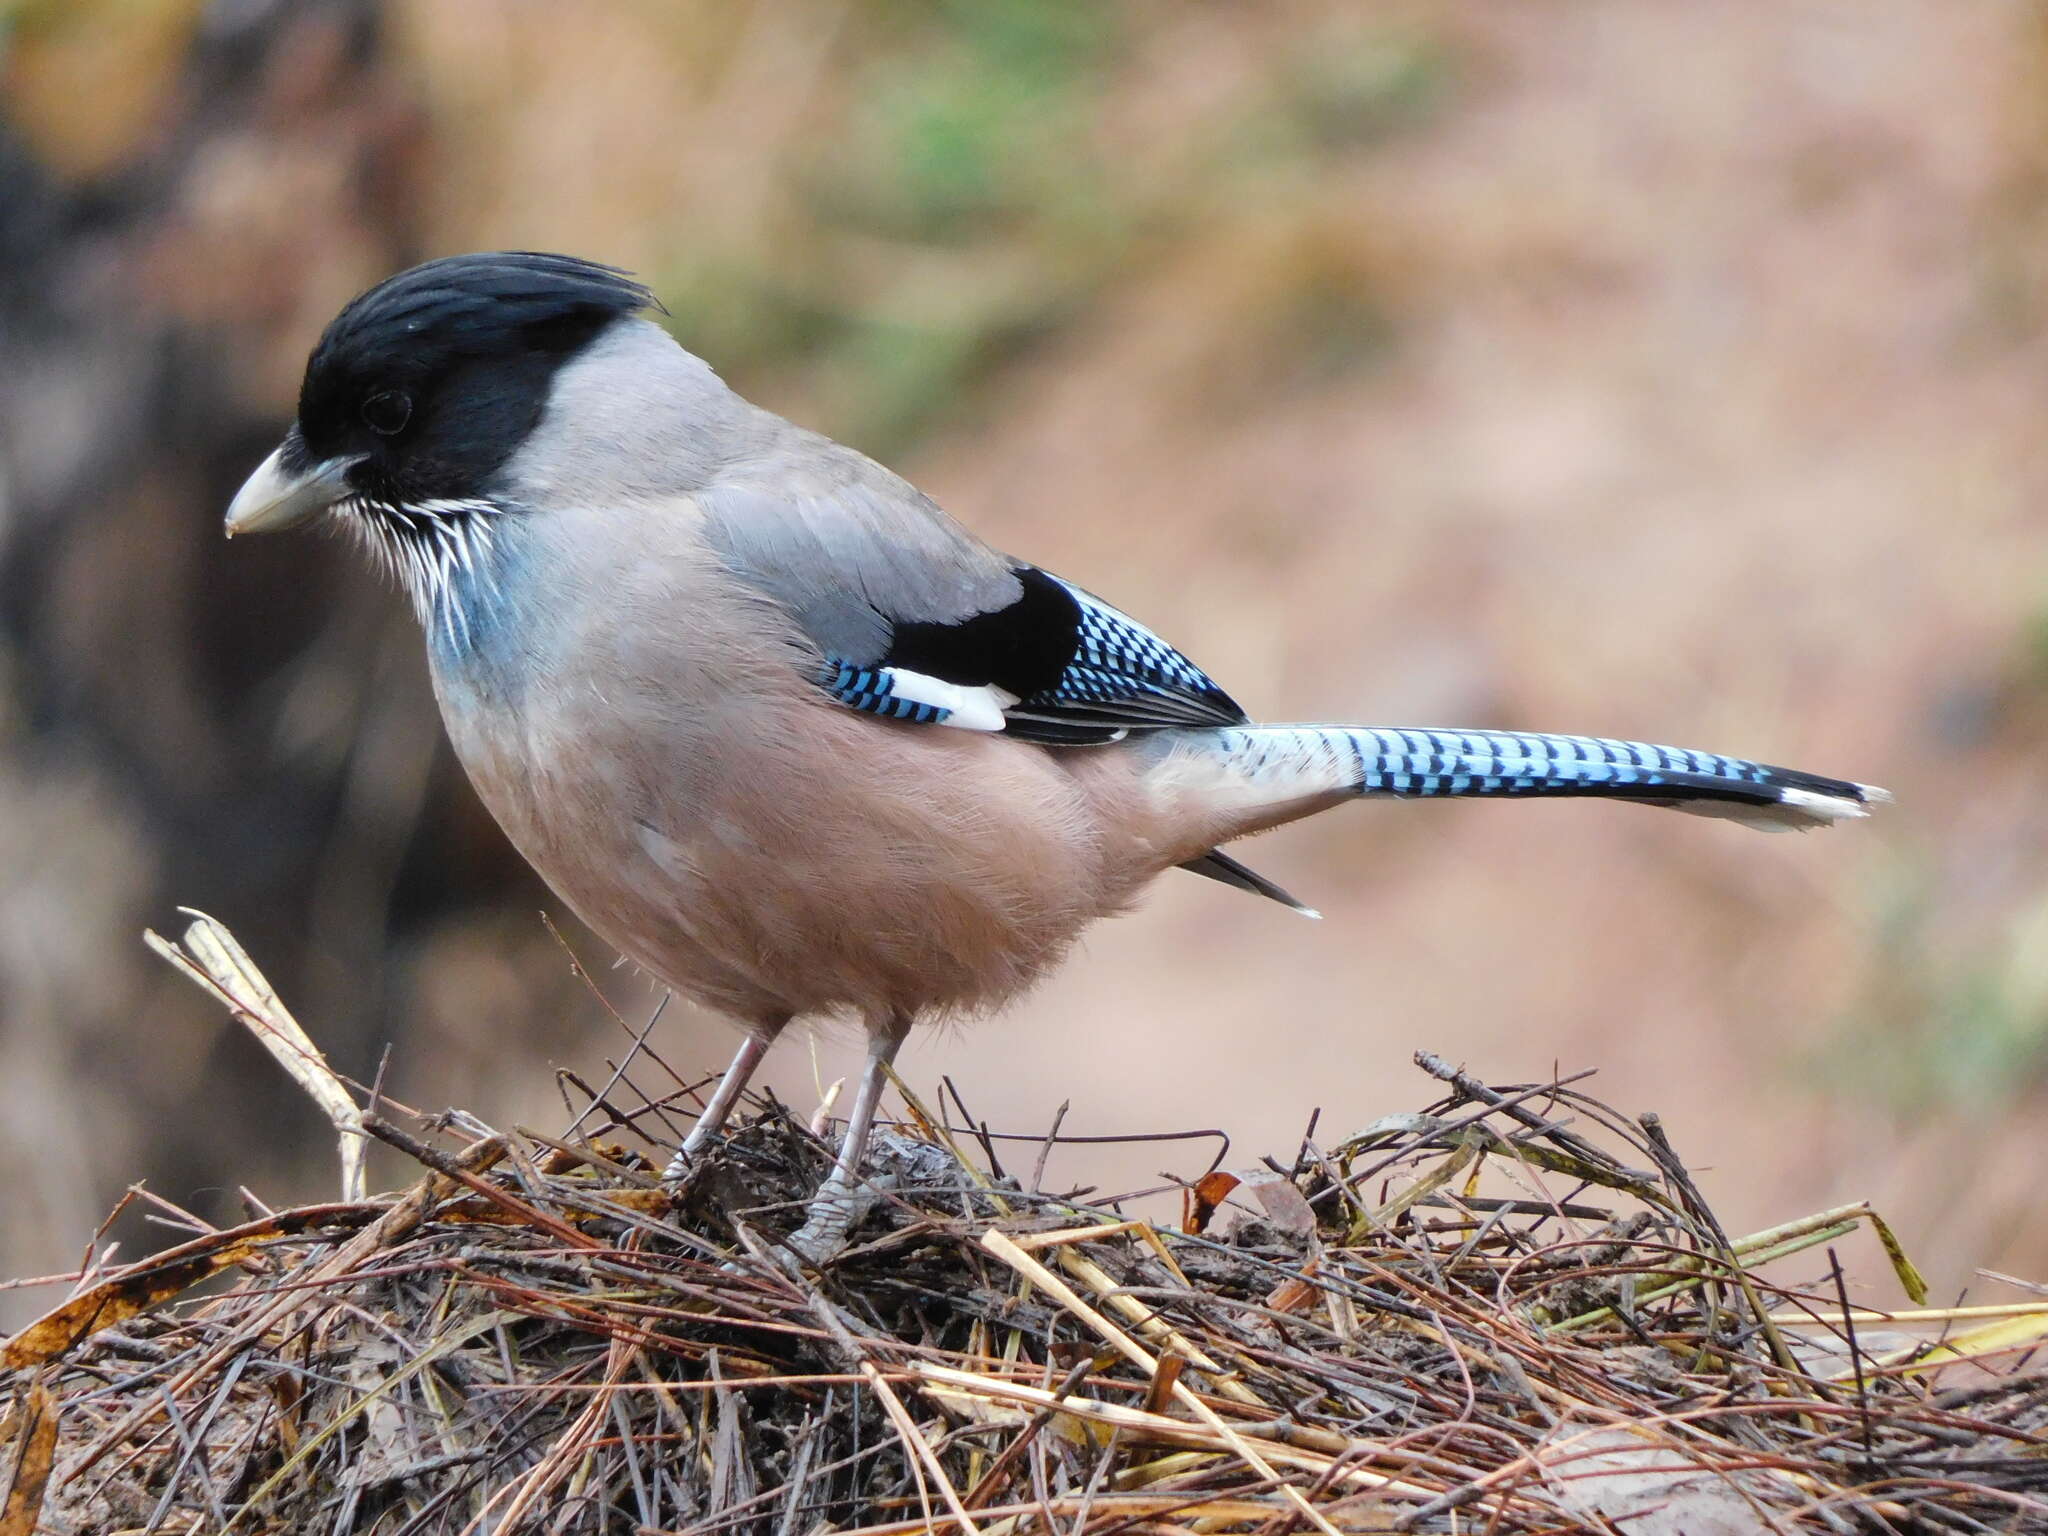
(798, 858)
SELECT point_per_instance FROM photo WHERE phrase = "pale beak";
(275, 497)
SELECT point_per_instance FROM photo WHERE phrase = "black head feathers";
(434, 377)
(492, 303)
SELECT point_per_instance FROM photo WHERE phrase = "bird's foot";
(835, 1211)
(688, 1159)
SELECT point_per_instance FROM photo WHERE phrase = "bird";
(784, 734)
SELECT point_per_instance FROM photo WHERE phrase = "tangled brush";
(1511, 1311)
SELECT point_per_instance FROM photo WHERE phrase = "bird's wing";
(918, 620)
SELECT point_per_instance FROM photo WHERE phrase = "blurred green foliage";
(1345, 88)
(979, 123)
(1951, 1020)
(977, 201)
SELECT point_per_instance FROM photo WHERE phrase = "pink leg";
(723, 1098)
(824, 1230)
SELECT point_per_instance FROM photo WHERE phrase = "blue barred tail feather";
(1434, 763)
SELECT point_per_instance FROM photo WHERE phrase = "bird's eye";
(388, 412)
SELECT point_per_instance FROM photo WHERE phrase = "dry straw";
(1509, 1312)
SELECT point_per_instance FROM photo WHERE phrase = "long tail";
(1257, 776)
(1435, 763)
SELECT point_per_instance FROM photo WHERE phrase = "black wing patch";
(1022, 649)
(1060, 666)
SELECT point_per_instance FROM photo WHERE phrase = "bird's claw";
(680, 1167)
(836, 1209)
(690, 1159)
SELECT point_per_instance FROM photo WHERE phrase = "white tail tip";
(1820, 807)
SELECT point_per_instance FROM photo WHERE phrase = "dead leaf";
(110, 1302)
(1199, 1204)
(1286, 1207)
(155, 1281)
(35, 1418)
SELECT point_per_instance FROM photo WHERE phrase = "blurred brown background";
(1640, 368)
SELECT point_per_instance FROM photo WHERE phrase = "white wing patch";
(971, 708)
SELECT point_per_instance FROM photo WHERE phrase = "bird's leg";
(720, 1106)
(831, 1212)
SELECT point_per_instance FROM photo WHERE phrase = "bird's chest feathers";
(578, 734)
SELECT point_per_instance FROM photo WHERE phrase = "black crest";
(435, 376)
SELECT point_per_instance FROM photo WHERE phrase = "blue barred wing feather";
(1056, 666)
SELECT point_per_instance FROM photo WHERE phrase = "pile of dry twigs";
(1508, 1312)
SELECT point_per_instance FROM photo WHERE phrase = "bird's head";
(423, 387)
